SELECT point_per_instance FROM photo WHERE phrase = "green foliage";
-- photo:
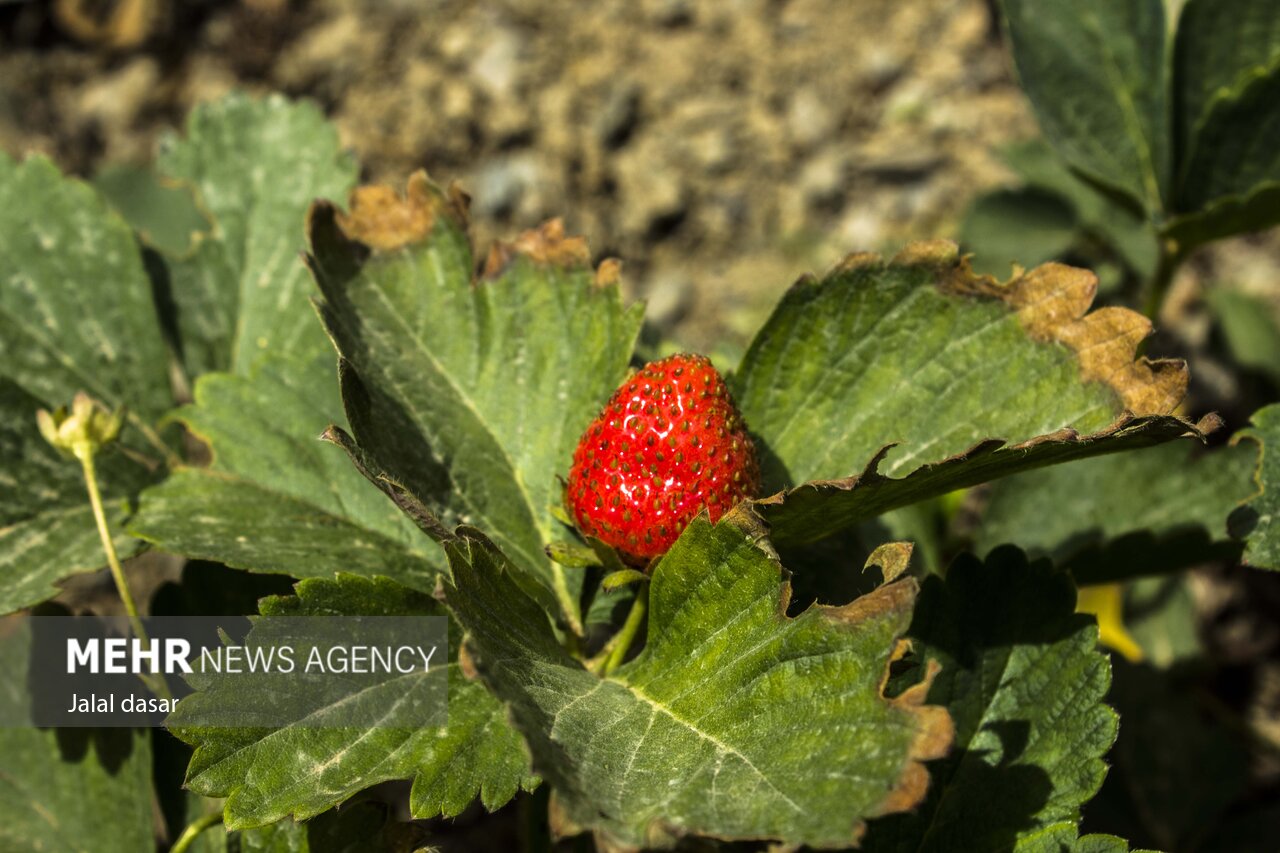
(302, 770)
(471, 393)
(1024, 682)
(1045, 230)
(1187, 134)
(1248, 325)
(310, 512)
(724, 711)
(47, 533)
(1126, 515)
(1056, 215)
(82, 790)
(1227, 114)
(1065, 838)
(1097, 77)
(163, 214)
(735, 721)
(75, 314)
(1256, 522)
(255, 166)
(928, 371)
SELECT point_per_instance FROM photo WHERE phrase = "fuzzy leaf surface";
(74, 790)
(1114, 517)
(276, 498)
(267, 774)
(943, 379)
(1096, 74)
(1024, 682)
(76, 314)
(1227, 107)
(255, 164)
(734, 721)
(1258, 521)
(1219, 44)
(472, 393)
(1066, 838)
(1230, 181)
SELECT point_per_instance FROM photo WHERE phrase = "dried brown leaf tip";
(933, 728)
(892, 558)
(384, 220)
(1052, 302)
(935, 732)
(546, 245)
(609, 273)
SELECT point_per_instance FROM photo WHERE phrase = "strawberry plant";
(837, 593)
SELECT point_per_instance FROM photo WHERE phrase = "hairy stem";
(193, 829)
(157, 684)
(622, 642)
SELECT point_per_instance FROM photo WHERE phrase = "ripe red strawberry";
(668, 444)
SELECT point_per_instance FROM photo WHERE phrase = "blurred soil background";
(720, 148)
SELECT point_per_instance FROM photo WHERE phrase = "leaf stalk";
(622, 642)
(193, 829)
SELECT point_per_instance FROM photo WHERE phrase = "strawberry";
(669, 444)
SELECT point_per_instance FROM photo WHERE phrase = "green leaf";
(276, 498)
(1097, 77)
(269, 774)
(1105, 519)
(1017, 226)
(1100, 215)
(1258, 521)
(1220, 46)
(255, 166)
(735, 720)
(948, 378)
(165, 215)
(83, 790)
(1023, 680)
(1066, 838)
(1162, 617)
(472, 393)
(76, 313)
(1248, 324)
(1230, 180)
(1227, 107)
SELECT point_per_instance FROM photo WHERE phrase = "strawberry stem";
(621, 644)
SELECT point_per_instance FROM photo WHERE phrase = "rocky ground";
(719, 148)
